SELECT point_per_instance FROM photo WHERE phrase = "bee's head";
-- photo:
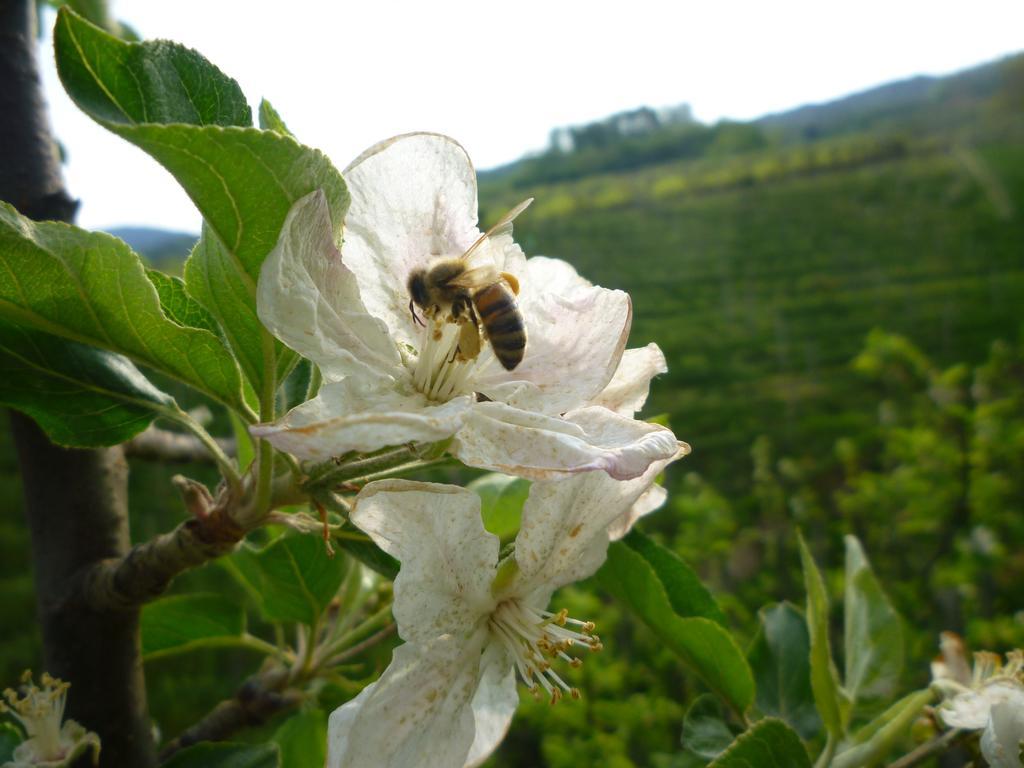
(417, 285)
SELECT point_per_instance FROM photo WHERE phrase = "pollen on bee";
(512, 280)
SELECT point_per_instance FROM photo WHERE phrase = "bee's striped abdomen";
(502, 322)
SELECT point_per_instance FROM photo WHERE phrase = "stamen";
(535, 638)
(40, 711)
(440, 372)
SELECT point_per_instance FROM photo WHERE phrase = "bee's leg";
(415, 317)
(469, 339)
(511, 281)
(469, 334)
(460, 307)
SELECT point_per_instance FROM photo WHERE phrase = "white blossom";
(472, 624)
(40, 711)
(989, 698)
(566, 408)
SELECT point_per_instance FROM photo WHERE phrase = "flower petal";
(563, 536)
(1004, 734)
(971, 709)
(419, 713)
(448, 559)
(627, 392)
(494, 704)
(413, 198)
(310, 300)
(575, 335)
(505, 439)
(650, 500)
(359, 414)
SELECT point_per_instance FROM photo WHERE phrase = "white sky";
(498, 77)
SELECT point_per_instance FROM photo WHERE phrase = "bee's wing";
(503, 227)
(477, 277)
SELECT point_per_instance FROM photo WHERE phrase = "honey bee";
(482, 299)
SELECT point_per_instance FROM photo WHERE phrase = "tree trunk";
(75, 501)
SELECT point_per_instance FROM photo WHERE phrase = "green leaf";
(873, 742)
(828, 696)
(179, 306)
(501, 502)
(369, 554)
(295, 388)
(226, 755)
(688, 595)
(10, 738)
(151, 82)
(245, 451)
(769, 744)
(705, 732)
(666, 594)
(873, 639)
(230, 295)
(81, 396)
(296, 577)
(302, 739)
(185, 622)
(779, 658)
(270, 120)
(244, 181)
(91, 288)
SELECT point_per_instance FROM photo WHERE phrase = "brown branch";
(75, 501)
(143, 573)
(166, 447)
(261, 697)
(214, 529)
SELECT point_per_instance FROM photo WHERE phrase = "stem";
(931, 748)
(268, 405)
(330, 651)
(264, 478)
(316, 379)
(225, 464)
(330, 473)
(825, 758)
(369, 642)
(307, 662)
(400, 469)
(165, 447)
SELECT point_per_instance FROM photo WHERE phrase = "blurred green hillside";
(759, 258)
(830, 286)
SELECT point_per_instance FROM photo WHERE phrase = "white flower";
(1003, 738)
(567, 407)
(471, 624)
(991, 697)
(40, 712)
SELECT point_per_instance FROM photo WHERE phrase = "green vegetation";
(763, 273)
(763, 258)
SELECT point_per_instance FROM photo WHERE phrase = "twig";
(261, 697)
(146, 570)
(161, 445)
(363, 645)
(930, 748)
